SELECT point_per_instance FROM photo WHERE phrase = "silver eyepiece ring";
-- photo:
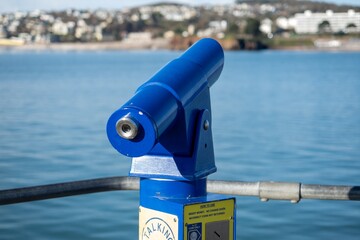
(127, 128)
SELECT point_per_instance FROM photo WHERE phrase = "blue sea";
(277, 116)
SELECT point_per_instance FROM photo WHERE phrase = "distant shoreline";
(156, 44)
(93, 46)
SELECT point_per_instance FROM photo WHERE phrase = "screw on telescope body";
(127, 128)
(206, 125)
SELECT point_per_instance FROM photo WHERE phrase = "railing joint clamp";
(279, 191)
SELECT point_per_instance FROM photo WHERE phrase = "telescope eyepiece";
(127, 128)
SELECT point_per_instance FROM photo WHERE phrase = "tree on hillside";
(157, 18)
(233, 28)
(351, 28)
(252, 27)
(324, 27)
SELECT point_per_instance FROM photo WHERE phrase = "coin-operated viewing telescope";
(166, 129)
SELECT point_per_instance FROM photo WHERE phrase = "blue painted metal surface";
(171, 110)
(172, 197)
(166, 129)
(172, 189)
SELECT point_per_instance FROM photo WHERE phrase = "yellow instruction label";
(212, 218)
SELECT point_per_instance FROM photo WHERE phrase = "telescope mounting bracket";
(199, 165)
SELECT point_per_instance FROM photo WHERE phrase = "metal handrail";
(264, 190)
(284, 190)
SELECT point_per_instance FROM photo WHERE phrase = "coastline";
(155, 44)
(165, 44)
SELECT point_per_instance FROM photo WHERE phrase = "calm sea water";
(282, 116)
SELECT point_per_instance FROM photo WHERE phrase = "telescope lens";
(127, 128)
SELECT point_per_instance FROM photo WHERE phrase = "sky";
(28, 5)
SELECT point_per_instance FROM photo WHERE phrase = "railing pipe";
(330, 192)
(58, 190)
(285, 191)
(293, 192)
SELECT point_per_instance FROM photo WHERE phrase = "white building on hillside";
(138, 37)
(266, 26)
(60, 28)
(308, 22)
(285, 23)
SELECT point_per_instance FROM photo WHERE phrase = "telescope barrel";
(136, 127)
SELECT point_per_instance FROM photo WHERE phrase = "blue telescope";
(166, 129)
(165, 126)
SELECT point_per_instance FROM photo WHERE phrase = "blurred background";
(286, 107)
(258, 24)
